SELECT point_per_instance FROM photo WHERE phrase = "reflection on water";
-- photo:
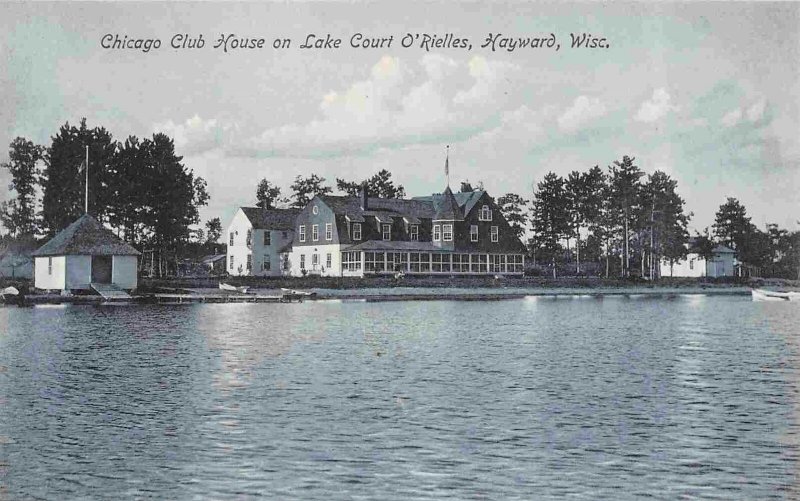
(583, 397)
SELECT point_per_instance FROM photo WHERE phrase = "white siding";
(79, 272)
(49, 278)
(123, 272)
(334, 250)
(239, 250)
(692, 266)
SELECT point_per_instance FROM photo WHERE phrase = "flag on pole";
(447, 162)
(82, 166)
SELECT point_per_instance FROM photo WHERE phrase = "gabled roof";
(465, 201)
(271, 219)
(446, 206)
(382, 208)
(86, 236)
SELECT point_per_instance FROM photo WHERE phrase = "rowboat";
(765, 295)
(233, 288)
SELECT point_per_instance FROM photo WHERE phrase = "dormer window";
(414, 232)
(356, 231)
(447, 232)
(387, 231)
(485, 214)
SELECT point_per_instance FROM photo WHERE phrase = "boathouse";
(83, 254)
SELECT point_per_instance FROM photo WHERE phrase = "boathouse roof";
(86, 236)
(271, 219)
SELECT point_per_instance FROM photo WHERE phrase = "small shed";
(82, 254)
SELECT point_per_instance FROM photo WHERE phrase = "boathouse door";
(101, 269)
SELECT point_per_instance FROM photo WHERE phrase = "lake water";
(540, 398)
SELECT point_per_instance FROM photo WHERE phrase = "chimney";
(364, 196)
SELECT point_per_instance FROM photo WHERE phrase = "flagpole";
(447, 165)
(86, 201)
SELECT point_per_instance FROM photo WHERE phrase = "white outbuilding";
(82, 254)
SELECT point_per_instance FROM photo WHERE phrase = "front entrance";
(101, 269)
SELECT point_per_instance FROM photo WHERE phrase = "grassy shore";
(432, 287)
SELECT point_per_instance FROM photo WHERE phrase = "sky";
(707, 92)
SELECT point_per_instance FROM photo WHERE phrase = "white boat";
(233, 288)
(9, 291)
(765, 295)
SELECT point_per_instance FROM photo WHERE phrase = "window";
(387, 231)
(495, 234)
(302, 233)
(419, 262)
(485, 214)
(374, 261)
(351, 261)
(267, 238)
(231, 259)
(494, 263)
(447, 232)
(249, 262)
(328, 231)
(691, 264)
(231, 239)
(329, 261)
(436, 262)
(398, 261)
(266, 265)
(249, 241)
(285, 261)
(461, 263)
(515, 263)
(315, 210)
(437, 232)
(356, 231)
(314, 232)
(49, 265)
(414, 233)
(473, 233)
(302, 261)
(478, 263)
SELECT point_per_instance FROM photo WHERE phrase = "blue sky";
(707, 92)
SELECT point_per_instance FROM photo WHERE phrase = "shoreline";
(394, 294)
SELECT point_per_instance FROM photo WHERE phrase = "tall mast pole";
(86, 201)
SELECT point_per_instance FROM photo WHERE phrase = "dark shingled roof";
(271, 219)
(380, 207)
(86, 236)
(465, 201)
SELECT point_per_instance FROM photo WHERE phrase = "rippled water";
(539, 398)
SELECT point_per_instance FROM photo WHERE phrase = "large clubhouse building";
(445, 233)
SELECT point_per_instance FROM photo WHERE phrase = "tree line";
(138, 187)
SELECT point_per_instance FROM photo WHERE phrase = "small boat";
(233, 288)
(9, 291)
(765, 295)
(11, 295)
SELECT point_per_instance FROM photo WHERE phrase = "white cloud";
(656, 107)
(583, 110)
(196, 135)
(394, 104)
(731, 118)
